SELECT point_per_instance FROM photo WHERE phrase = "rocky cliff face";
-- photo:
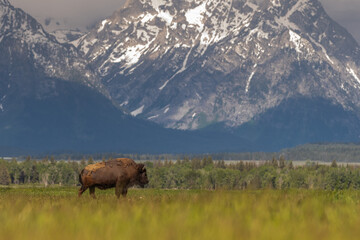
(187, 64)
(29, 55)
(52, 102)
(246, 75)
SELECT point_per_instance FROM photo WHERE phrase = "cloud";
(77, 13)
(346, 13)
(83, 13)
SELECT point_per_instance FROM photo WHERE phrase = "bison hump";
(93, 167)
(125, 162)
(113, 163)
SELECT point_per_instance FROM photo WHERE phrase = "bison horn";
(141, 167)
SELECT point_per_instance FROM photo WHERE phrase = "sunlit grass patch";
(57, 213)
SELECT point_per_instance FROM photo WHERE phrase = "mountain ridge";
(229, 62)
(242, 75)
(64, 110)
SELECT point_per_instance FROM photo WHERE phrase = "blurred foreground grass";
(57, 213)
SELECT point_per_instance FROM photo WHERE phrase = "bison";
(120, 173)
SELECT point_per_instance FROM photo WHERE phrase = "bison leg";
(124, 192)
(92, 192)
(82, 190)
(118, 189)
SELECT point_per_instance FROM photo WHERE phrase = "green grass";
(57, 213)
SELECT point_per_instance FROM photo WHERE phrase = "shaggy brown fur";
(120, 173)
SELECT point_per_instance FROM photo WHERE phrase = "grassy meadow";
(57, 213)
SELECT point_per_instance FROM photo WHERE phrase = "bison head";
(142, 176)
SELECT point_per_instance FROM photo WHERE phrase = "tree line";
(325, 152)
(317, 152)
(195, 173)
(46, 171)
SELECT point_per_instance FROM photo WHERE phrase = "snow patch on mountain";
(166, 16)
(250, 78)
(352, 72)
(147, 17)
(152, 117)
(195, 16)
(102, 26)
(276, 3)
(296, 39)
(137, 111)
(156, 3)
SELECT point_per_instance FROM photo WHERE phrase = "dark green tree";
(282, 162)
(334, 164)
(4, 174)
(90, 161)
(14, 171)
(274, 162)
(221, 164)
(196, 163)
(291, 165)
(82, 163)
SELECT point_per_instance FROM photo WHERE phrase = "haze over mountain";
(246, 75)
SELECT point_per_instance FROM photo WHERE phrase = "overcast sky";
(82, 13)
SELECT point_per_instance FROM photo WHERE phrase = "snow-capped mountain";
(188, 64)
(27, 50)
(247, 74)
(51, 101)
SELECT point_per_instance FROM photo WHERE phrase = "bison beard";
(120, 173)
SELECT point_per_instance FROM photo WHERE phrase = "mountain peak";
(259, 67)
(24, 42)
(191, 63)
